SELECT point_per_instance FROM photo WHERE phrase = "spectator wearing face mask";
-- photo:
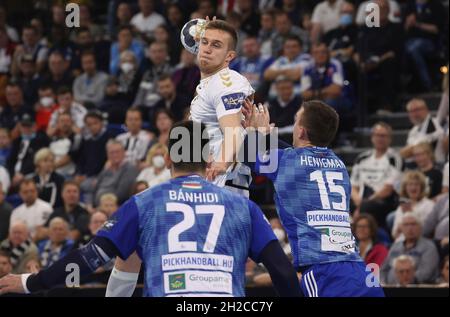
(129, 76)
(125, 42)
(157, 172)
(45, 107)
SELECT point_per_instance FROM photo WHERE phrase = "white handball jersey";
(219, 95)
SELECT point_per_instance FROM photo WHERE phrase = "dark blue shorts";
(339, 279)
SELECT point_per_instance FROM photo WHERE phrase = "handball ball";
(191, 31)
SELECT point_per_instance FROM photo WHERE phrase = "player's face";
(213, 52)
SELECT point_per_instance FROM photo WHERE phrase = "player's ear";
(230, 56)
(302, 134)
(168, 161)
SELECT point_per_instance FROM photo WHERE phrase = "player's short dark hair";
(227, 28)
(188, 162)
(320, 121)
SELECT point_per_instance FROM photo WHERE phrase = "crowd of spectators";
(85, 115)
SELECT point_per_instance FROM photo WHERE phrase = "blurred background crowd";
(85, 115)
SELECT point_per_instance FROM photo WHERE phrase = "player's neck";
(302, 144)
(205, 75)
(178, 173)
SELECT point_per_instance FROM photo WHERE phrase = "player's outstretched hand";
(11, 283)
(215, 169)
(256, 116)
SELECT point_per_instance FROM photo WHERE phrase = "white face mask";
(126, 67)
(158, 161)
(46, 101)
(280, 234)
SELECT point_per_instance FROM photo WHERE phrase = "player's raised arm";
(118, 237)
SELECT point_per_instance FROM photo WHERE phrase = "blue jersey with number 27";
(313, 198)
(192, 236)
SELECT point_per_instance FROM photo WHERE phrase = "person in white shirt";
(425, 129)
(136, 140)
(413, 199)
(374, 175)
(157, 172)
(220, 97)
(34, 211)
(325, 17)
(291, 64)
(67, 104)
(146, 21)
(218, 104)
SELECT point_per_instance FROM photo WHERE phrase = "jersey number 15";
(332, 188)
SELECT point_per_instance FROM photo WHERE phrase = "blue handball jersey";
(193, 237)
(312, 194)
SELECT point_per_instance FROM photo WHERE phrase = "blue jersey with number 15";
(192, 236)
(313, 200)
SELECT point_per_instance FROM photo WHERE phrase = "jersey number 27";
(175, 245)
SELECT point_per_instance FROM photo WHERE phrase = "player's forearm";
(233, 138)
(77, 264)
